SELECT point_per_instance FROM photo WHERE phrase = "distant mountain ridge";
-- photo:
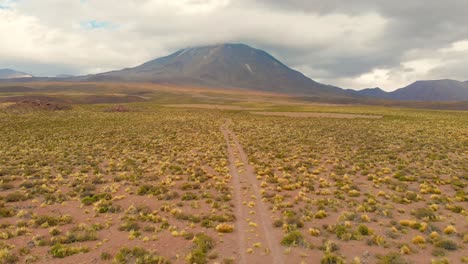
(430, 90)
(11, 74)
(224, 66)
(370, 92)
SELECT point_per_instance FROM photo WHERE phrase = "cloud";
(355, 44)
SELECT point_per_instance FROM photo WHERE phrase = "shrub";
(293, 238)
(329, 258)
(7, 257)
(105, 256)
(438, 252)
(104, 206)
(15, 197)
(188, 196)
(6, 212)
(450, 230)
(418, 240)
(129, 225)
(340, 231)
(363, 230)
(224, 228)
(391, 258)
(78, 234)
(197, 256)
(405, 250)
(150, 189)
(314, 232)
(447, 244)
(60, 251)
(203, 244)
(278, 223)
(52, 220)
(425, 213)
(138, 255)
(354, 193)
(320, 214)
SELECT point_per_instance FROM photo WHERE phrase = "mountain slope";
(11, 74)
(371, 92)
(224, 66)
(436, 90)
(433, 90)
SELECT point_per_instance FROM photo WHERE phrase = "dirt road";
(256, 239)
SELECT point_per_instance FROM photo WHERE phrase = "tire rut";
(244, 178)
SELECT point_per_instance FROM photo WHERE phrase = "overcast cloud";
(351, 44)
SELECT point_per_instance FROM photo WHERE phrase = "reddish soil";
(35, 104)
(253, 218)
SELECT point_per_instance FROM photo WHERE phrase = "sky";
(351, 44)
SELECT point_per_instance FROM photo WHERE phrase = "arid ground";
(187, 175)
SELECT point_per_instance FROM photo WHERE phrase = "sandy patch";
(309, 114)
(5, 105)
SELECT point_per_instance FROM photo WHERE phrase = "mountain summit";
(223, 66)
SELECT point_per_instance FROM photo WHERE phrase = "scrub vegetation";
(156, 184)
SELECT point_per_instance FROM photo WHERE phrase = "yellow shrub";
(450, 229)
(434, 235)
(224, 228)
(365, 218)
(321, 214)
(314, 232)
(405, 250)
(418, 240)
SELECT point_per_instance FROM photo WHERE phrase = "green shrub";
(6, 212)
(150, 189)
(197, 256)
(188, 196)
(129, 225)
(425, 213)
(341, 232)
(138, 255)
(7, 257)
(52, 220)
(15, 197)
(105, 256)
(88, 200)
(293, 238)
(329, 258)
(391, 258)
(447, 244)
(363, 230)
(203, 242)
(278, 223)
(61, 251)
(78, 234)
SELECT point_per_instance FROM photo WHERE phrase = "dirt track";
(255, 232)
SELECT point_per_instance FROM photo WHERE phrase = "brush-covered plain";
(153, 185)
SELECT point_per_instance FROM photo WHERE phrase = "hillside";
(224, 66)
(433, 90)
(436, 90)
(11, 74)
